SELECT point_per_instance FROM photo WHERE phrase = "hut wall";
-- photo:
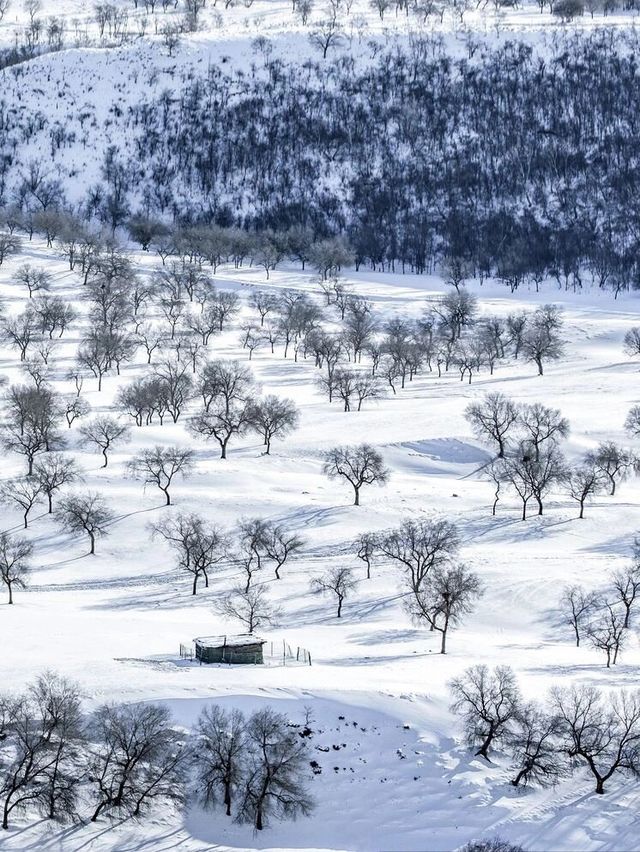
(247, 654)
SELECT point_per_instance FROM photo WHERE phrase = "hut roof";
(238, 641)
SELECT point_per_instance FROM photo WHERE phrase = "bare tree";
(263, 302)
(34, 278)
(151, 339)
(358, 329)
(583, 482)
(456, 311)
(171, 35)
(632, 422)
(495, 473)
(516, 327)
(15, 562)
(105, 431)
(160, 465)
(546, 470)
(23, 493)
(632, 342)
(58, 705)
(54, 314)
(626, 585)
(326, 34)
(599, 731)
(220, 755)
(491, 844)
(576, 607)
(77, 378)
(606, 632)
(531, 478)
(534, 742)
(420, 547)
(226, 304)
(136, 758)
(30, 426)
(10, 244)
(359, 465)
(200, 546)
(174, 385)
(541, 424)
(349, 384)
(85, 513)
(95, 355)
(488, 702)
(276, 767)
(26, 754)
(279, 545)
(53, 471)
(222, 423)
(75, 408)
(455, 270)
(252, 541)
(273, 417)
(337, 581)
(493, 419)
(225, 382)
(21, 331)
(614, 462)
(447, 596)
(366, 545)
(541, 340)
(249, 606)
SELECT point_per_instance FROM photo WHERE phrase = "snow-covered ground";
(395, 774)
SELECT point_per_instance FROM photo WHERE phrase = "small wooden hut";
(244, 648)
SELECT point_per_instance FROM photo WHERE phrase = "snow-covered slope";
(396, 774)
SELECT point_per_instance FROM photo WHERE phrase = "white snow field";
(393, 770)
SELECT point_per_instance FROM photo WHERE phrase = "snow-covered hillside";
(394, 772)
(318, 151)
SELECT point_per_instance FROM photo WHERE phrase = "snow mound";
(436, 456)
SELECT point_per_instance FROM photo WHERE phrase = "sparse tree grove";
(193, 301)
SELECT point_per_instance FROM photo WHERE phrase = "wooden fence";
(286, 654)
(274, 652)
